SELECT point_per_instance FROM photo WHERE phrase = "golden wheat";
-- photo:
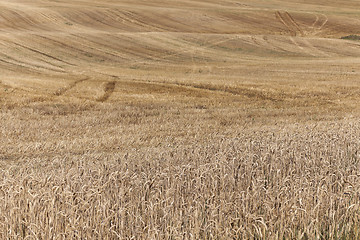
(108, 172)
(179, 119)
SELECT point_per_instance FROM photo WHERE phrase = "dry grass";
(270, 182)
(160, 172)
(179, 120)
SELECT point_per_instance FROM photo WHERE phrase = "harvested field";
(179, 119)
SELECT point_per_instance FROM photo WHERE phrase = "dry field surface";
(154, 119)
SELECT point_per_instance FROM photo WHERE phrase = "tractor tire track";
(15, 67)
(315, 22)
(315, 49)
(288, 21)
(130, 17)
(301, 47)
(108, 89)
(21, 63)
(235, 91)
(192, 49)
(294, 23)
(282, 20)
(317, 29)
(67, 46)
(265, 42)
(88, 19)
(42, 53)
(96, 48)
(325, 21)
(63, 90)
(53, 67)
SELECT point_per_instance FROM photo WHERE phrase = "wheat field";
(184, 119)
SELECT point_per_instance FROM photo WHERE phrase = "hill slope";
(138, 119)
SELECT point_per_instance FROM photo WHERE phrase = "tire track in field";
(319, 28)
(190, 50)
(279, 16)
(23, 64)
(117, 53)
(87, 18)
(287, 20)
(276, 45)
(108, 89)
(325, 21)
(63, 90)
(42, 53)
(95, 46)
(301, 43)
(292, 22)
(304, 50)
(15, 67)
(129, 16)
(29, 62)
(235, 91)
(263, 41)
(316, 21)
(315, 49)
(21, 19)
(52, 67)
(64, 46)
(104, 18)
(72, 49)
(107, 18)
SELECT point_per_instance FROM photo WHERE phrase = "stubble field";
(179, 119)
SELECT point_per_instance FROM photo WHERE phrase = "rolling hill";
(138, 119)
